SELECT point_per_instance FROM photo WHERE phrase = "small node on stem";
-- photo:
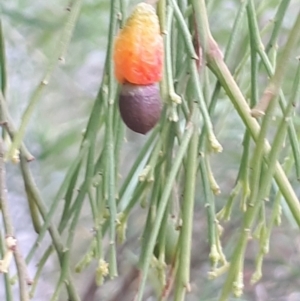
(97, 180)
(121, 227)
(215, 188)
(29, 281)
(119, 16)
(68, 8)
(257, 113)
(257, 233)
(215, 145)
(218, 272)
(245, 195)
(30, 158)
(15, 158)
(85, 261)
(266, 246)
(220, 229)
(175, 98)
(188, 287)
(225, 212)
(62, 59)
(159, 266)
(173, 115)
(178, 225)
(105, 89)
(278, 216)
(214, 255)
(238, 285)
(258, 273)
(143, 202)
(212, 181)
(106, 213)
(144, 174)
(11, 244)
(101, 271)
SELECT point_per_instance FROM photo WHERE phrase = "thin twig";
(56, 238)
(58, 56)
(273, 88)
(9, 126)
(20, 263)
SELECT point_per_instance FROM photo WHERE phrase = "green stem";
(270, 70)
(221, 71)
(10, 128)
(39, 271)
(279, 138)
(29, 182)
(9, 231)
(185, 240)
(184, 30)
(254, 62)
(63, 275)
(138, 163)
(281, 11)
(274, 85)
(234, 282)
(7, 283)
(161, 12)
(3, 62)
(161, 209)
(111, 193)
(58, 56)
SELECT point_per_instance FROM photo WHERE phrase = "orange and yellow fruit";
(138, 57)
(138, 51)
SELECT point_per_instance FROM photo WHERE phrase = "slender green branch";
(185, 239)
(111, 193)
(40, 269)
(161, 209)
(65, 38)
(10, 128)
(281, 12)
(7, 282)
(210, 211)
(218, 66)
(175, 99)
(63, 274)
(233, 281)
(138, 163)
(270, 70)
(110, 176)
(254, 61)
(184, 30)
(68, 181)
(3, 61)
(161, 12)
(279, 138)
(20, 263)
(274, 85)
(29, 182)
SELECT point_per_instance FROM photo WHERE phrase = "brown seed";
(140, 106)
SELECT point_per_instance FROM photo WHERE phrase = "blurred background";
(54, 134)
